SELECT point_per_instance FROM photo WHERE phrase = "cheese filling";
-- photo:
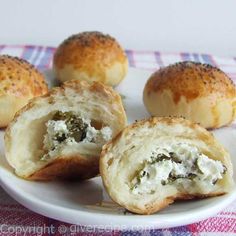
(67, 129)
(181, 165)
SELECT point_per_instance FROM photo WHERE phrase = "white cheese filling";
(181, 165)
(59, 128)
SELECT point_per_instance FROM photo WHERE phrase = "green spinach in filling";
(75, 125)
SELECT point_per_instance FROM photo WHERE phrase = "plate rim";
(126, 222)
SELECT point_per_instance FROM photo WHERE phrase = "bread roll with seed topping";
(199, 92)
(154, 162)
(90, 56)
(19, 82)
(60, 135)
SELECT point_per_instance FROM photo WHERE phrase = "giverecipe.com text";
(64, 229)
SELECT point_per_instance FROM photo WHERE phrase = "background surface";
(206, 26)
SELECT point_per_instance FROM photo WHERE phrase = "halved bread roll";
(153, 162)
(60, 135)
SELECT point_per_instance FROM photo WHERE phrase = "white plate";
(87, 203)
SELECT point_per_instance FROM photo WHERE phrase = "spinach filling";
(71, 129)
(161, 156)
(75, 125)
(66, 129)
(191, 172)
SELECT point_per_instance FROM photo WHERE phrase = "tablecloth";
(17, 220)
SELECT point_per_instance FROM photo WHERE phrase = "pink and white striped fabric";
(13, 215)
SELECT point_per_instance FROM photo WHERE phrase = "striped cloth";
(14, 216)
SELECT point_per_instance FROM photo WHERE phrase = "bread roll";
(199, 92)
(19, 82)
(90, 56)
(154, 162)
(60, 135)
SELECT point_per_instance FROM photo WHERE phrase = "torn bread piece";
(154, 162)
(60, 135)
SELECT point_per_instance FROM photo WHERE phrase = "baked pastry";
(19, 82)
(90, 56)
(198, 92)
(154, 162)
(60, 135)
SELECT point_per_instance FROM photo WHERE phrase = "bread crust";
(199, 92)
(19, 82)
(74, 167)
(90, 56)
(65, 166)
(78, 86)
(110, 153)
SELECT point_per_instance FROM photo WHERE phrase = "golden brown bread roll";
(199, 92)
(60, 135)
(154, 162)
(90, 56)
(19, 82)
